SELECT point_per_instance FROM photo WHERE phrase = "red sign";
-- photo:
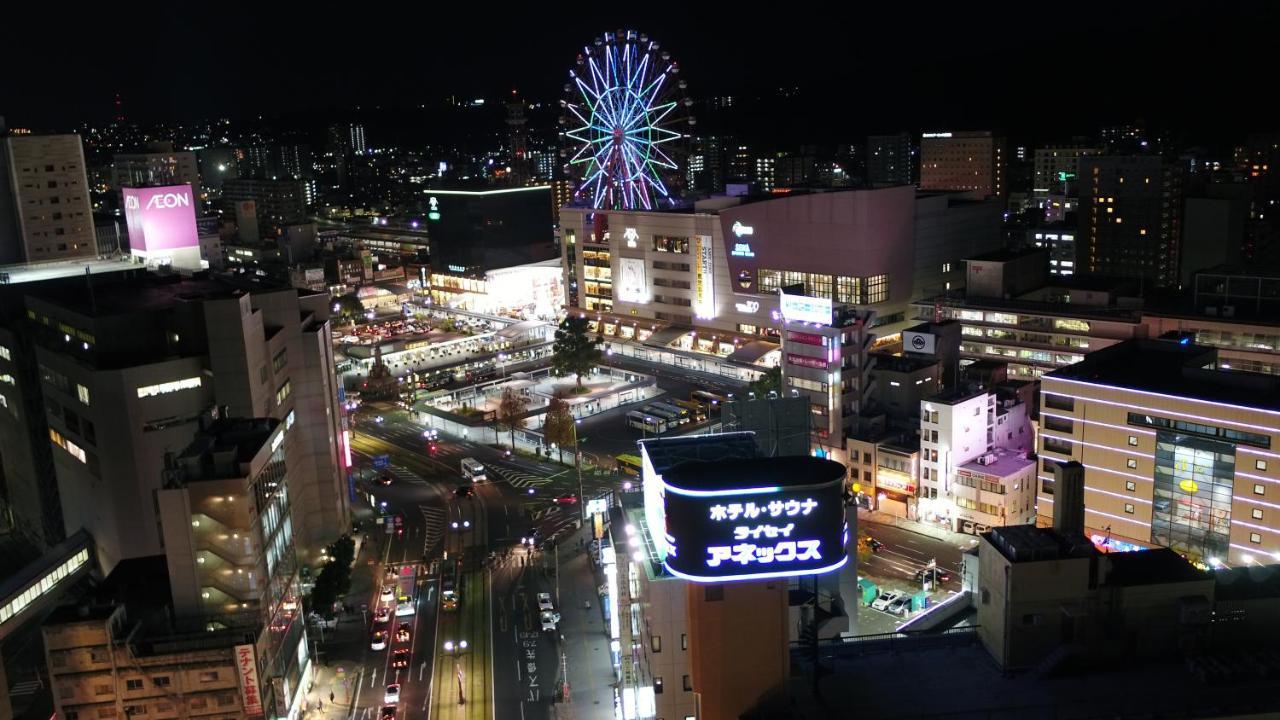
(247, 669)
(805, 338)
(806, 361)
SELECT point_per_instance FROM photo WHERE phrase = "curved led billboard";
(160, 218)
(754, 519)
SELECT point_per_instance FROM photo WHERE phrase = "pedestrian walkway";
(960, 540)
(585, 636)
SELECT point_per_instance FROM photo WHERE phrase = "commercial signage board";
(754, 519)
(247, 670)
(160, 218)
(918, 342)
(381, 461)
(802, 308)
(632, 286)
(704, 302)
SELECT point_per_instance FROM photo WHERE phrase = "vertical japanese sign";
(704, 302)
(247, 669)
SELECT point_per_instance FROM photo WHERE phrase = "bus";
(681, 414)
(472, 469)
(450, 590)
(671, 418)
(709, 400)
(629, 465)
(646, 421)
(696, 411)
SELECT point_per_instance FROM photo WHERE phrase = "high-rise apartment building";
(891, 160)
(151, 169)
(278, 202)
(1177, 451)
(1057, 168)
(49, 200)
(968, 162)
(1130, 223)
(355, 139)
(126, 369)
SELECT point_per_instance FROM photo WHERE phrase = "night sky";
(1204, 67)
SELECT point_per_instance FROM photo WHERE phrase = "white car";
(404, 609)
(544, 601)
(392, 695)
(379, 641)
(388, 594)
(549, 619)
(883, 601)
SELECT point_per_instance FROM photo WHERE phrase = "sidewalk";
(585, 636)
(960, 540)
(339, 656)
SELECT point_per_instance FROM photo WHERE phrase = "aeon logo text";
(168, 200)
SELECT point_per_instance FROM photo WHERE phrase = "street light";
(577, 461)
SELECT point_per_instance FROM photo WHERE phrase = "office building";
(232, 617)
(766, 173)
(1057, 169)
(892, 160)
(126, 368)
(1059, 240)
(1178, 452)
(48, 200)
(163, 166)
(1130, 225)
(277, 162)
(355, 139)
(278, 202)
(479, 230)
(972, 163)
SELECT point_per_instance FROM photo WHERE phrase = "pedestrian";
(330, 696)
(321, 704)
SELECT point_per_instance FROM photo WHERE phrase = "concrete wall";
(735, 671)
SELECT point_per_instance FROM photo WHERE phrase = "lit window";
(1260, 464)
(1259, 489)
(1257, 513)
(1255, 538)
(1131, 463)
(83, 393)
(1130, 485)
(1128, 508)
(1133, 440)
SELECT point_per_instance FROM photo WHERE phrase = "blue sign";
(351, 486)
(381, 461)
(342, 395)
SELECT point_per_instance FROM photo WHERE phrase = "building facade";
(892, 160)
(278, 202)
(49, 200)
(1130, 219)
(972, 163)
(1177, 452)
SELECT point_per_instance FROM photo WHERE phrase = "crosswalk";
(434, 520)
(403, 475)
(518, 478)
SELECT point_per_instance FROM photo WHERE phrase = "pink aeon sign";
(160, 218)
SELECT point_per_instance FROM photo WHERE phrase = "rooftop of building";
(36, 272)
(1033, 307)
(1151, 567)
(665, 453)
(1028, 543)
(224, 441)
(957, 394)
(144, 293)
(787, 471)
(1006, 254)
(141, 584)
(1248, 582)
(886, 362)
(999, 462)
(1175, 368)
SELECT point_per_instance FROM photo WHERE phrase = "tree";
(770, 380)
(574, 352)
(348, 307)
(557, 428)
(511, 412)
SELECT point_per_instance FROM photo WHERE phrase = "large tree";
(511, 412)
(348, 307)
(769, 380)
(557, 428)
(575, 352)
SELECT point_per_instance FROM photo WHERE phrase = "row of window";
(1219, 433)
(847, 289)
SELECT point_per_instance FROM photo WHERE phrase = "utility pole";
(577, 461)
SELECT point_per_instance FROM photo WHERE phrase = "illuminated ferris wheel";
(625, 124)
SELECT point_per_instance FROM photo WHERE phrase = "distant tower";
(119, 110)
(519, 145)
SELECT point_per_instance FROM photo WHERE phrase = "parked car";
(884, 598)
(544, 601)
(900, 606)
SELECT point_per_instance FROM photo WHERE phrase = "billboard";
(918, 342)
(247, 669)
(632, 286)
(801, 308)
(754, 519)
(704, 300)
(160, 218)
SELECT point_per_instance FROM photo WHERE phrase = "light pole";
(577, 461)
(456, 649)
(502, 363)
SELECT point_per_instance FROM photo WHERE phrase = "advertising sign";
(632, 286)
(247, 669)
(704, 301)
(754, 519)
(801, 308)
(918, 342)
(160, 218)
(894, 480)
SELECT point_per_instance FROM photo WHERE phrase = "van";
(472, 469)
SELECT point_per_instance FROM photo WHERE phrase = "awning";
(520, 329)
(664, 337)
(752, 351)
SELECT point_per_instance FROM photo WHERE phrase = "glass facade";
(1191, 507)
